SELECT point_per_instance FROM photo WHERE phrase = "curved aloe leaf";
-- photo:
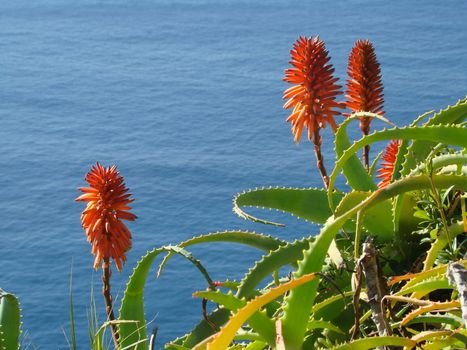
(375, 342)
(430, 335)
(414, 278)
(401, 154)
(9, 321)
(376, 220)
(204, 330)
(284, 255)
(441, 242)
(419, 149)
(444, 343)
(424, 287)
(403, 208)
(259, 322)
(224, 337)
(132, 308)
(320, 324)
(304, 203)
(441, 161)
(452, 135)
(252, 239)
(434, 306)
(409, 155)
(356, 175)
(300, 300)
(323, 306)
(446, 318)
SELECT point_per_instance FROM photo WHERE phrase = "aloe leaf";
(252, 239)
(259, 322)
(371, 170)
(132, 307)
(187, 255)
(414, 278)
(223, 338)
(300, 300)
(452, 135)
(320, 324)
(376, 220)
(411, 154)
(323, 307)
(444, 343)
(9, 321)
(375, 342)
(419, 150)
(354, 171)
(441, 161)
(401, 154)
(432, 335)
(284, 255)
(248, 335)
(256, 345)
(441, 242)
(204, 330)
(446, 318)
(424, 309)
(305, 203)
(426, 286)
(403, 219)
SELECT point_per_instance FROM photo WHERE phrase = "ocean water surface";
(185, 97)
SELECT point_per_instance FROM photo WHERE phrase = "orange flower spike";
(313, 97)
(387, 166)
(107, 205)
(364, 86)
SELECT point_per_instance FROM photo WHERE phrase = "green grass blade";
(72, 318)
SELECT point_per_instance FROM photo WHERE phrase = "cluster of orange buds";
(107, 205)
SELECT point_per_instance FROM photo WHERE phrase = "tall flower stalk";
(364, 86)
(107, 205)
(313, 96)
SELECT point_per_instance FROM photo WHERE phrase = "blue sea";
(184, 97)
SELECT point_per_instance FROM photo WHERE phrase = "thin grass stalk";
(72, 318)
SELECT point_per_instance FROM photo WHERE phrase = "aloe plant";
(256, 316)
(391, 291)
(386, 267)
